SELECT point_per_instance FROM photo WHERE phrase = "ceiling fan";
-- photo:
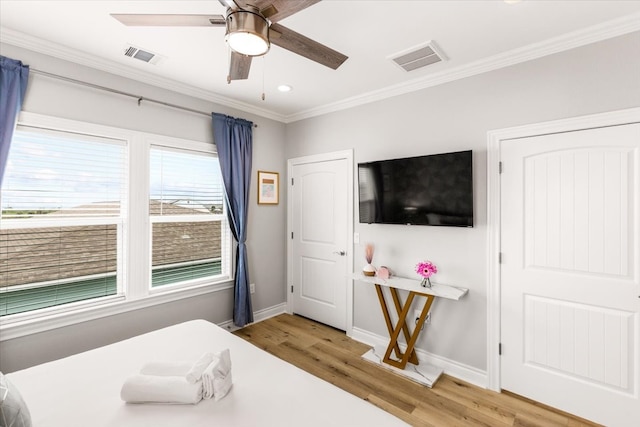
(251, 27)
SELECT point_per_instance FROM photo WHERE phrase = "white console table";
(429, 374)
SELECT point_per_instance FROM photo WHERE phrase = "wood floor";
(329, 354)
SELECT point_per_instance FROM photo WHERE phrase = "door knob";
(341, 253)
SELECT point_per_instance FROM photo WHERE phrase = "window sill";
(66, 318)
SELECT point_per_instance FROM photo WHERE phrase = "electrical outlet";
(252, 288)
(416, 316)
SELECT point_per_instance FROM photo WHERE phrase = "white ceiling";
(474, 35)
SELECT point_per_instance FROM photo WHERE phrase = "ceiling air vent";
(141, 54)
(418, 57)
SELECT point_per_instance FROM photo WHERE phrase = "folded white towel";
(195, 372)
(160, 389)
(216, 379)
(207, 381)
(224, 364)
(167, 369)
(221, 386)
(191, 371)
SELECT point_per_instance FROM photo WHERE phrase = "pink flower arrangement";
(426, 269)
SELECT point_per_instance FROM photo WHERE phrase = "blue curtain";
(13, 85)
(234, 141)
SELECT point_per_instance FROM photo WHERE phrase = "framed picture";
(268, 188)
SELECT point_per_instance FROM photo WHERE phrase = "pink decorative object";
(368, 252)
(426, 269)
(383, 273)
(369, 270)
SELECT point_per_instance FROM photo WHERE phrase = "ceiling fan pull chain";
(228, 64)
(263, 68)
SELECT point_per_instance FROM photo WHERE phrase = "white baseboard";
(455, 369)
(258, 316)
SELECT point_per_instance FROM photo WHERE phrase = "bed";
(84, 389)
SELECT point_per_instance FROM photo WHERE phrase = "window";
(61, 220)
(189, 231)
(74, 214)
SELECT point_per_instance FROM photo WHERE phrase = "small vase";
(426, 282)
(369, 270)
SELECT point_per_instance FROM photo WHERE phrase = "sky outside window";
(185, 180)
(48, 173)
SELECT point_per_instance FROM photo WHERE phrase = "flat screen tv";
(425, 190)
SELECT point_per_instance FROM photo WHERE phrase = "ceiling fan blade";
(239, 67)
(304, 46)
(276, 10)
(231, 4)
(146, 20)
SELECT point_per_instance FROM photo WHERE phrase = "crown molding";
(25, 41)
(593, 34)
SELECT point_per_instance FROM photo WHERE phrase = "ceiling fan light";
(247, 44)
(248, 33)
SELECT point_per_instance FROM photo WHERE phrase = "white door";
(570, 293)
(320, 272)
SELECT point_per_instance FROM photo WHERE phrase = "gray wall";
(601, 77)
(267, 224)
(455, 116)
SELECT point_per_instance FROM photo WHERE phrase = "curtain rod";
(119, 92)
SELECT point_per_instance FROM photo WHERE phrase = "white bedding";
(84, 390)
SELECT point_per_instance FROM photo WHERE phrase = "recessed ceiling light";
(285, 88)
(512, 1)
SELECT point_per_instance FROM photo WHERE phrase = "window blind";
(184, 183)
(188, 222)
(57, 174)
(61, 205)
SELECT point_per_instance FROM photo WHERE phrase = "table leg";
(414, 336)
(387, 318)
(401, 326)
(413, 358)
